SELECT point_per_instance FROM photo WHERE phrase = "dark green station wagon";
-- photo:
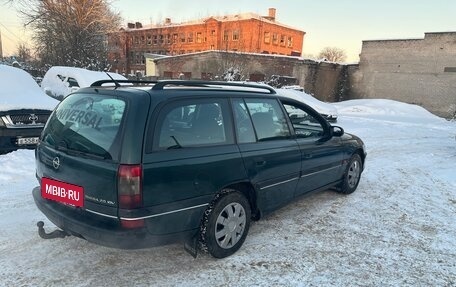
(142, 165)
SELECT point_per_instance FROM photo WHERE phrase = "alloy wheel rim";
(230, 225)
(353, 174)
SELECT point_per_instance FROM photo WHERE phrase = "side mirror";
(337, 131)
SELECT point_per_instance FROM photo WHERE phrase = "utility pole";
(1, 50)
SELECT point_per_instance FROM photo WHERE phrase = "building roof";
(224, 18)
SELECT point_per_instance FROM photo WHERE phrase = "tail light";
(130, 192)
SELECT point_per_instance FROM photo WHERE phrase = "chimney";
(138, 25)
(167, 21)
(131, 25)
(272, 14)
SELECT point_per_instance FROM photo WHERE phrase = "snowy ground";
(397, 229)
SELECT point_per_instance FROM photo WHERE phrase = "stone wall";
(320, 79)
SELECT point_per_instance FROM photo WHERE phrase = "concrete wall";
(318, 78)
(417, 71)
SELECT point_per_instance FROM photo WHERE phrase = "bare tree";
(332, 54)
(23, 52)
(70, 32)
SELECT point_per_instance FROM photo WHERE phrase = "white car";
(59, 81)
(24, 110)
(326, 110)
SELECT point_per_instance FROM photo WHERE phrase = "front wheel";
(352, 175)
(227, 224)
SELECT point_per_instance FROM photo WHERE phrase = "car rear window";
(88, 124)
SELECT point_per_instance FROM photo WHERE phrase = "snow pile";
(319, 106)
(18, 90)
(384, 109)
(397, 229)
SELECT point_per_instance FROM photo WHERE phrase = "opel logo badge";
(33, 118)
(56, 163)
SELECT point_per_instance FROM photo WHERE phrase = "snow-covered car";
(24, 109)
(59, 81)
(328, 111)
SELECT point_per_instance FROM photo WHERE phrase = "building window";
(149, 40)
(168, 38)
(282, 40)
(212, 47)
(182, 37)
(190, 37)
(136, 40)
(182, 52)
(160, 37)
(267, 37)
(213, 32)
(290, 42)
(138, 58)
(175, 36)
(274, 38)
(155, 39)
(143, 40)
(199, 37)
(225, 35)
(236, 35)
(189, 51)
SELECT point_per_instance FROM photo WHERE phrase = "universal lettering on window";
(87, 118)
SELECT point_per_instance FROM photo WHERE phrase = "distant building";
(246, 32)
(417, 71)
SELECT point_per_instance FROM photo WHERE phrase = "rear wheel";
(352, 175)
(227, 224)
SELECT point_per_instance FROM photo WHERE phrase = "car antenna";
(115, 82)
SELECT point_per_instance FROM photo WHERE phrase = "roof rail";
(101, 82)
(161, 84)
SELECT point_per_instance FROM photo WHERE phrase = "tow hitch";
(54, 234)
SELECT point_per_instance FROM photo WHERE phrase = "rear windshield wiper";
(177, 145)
(70, 151)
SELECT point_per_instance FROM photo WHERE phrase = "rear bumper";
(102, 231)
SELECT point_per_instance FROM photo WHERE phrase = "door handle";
(260, 163)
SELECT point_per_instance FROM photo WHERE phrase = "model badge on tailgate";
(62, 192)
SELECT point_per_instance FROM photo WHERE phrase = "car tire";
(352, 175)
(227, 224)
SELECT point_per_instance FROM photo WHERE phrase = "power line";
(1, 24)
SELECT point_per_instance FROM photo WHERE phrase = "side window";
(244, 127)
(268, 119)
(72, 82)
(304, 124)
(193, 123)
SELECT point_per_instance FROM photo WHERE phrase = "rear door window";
(86, 123)
(194, 123)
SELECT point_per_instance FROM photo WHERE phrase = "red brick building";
(246, 32)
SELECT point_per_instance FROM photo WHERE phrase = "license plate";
(62, 192)
(27, 141)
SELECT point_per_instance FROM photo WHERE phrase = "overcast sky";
(338, 23)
